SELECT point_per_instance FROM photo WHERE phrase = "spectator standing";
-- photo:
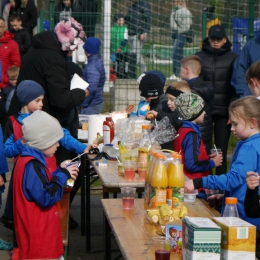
(9, 53)
(65, 9)
(248, 55)
(138, 19)
(27, 11)
(94, 74)
(46, 64)
(217, 65)
(21, 35)
(180, 22)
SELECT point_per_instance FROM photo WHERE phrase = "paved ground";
(77, 242)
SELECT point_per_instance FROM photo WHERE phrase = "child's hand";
(2, 182)
(188, 186)
(90, 147)
(218, 159)
(252, 180)
(130, 109)
(73, 170)
(86, 92)
(151, 115)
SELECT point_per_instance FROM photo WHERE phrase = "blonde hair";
(193, 62)
(246, 108)
(180, 85)
(13, 72)
(253, 72)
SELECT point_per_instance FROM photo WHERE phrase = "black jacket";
(22, 37)
(205, 91)
(27, 11)
(46, 64)
(217, 67)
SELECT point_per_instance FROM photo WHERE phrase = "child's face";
(240, 128)
(67, 3)
(36, 104)
(254, 87)
(170, 102)
(48, 152)
(13, 80)
(16, 25)
(120, 21)
(200, 119)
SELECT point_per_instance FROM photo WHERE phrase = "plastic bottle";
(175, 192)
(159, 182)
(144, 145)
(108, 130)
(231, 208)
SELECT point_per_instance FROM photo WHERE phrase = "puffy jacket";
(27, 10)
(206, 91)
(22, 37)
(248, 55)
(138, 18)
(217, 67)
(94, 74)
(46, 64)
(9, 56)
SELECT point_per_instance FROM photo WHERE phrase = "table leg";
(82, 171)
(105, 194)
(107, 239)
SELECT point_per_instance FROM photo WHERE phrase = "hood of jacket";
(7, 37)
(207, 48)
(15, 3)
(46, 40)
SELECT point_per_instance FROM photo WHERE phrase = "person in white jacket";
(180, 22)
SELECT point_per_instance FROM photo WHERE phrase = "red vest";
(17, 132)
(37, 230)
(177, 146)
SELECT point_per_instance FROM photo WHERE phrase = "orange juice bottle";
(176, 180)
(159, 182)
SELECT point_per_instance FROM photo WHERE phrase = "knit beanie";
(155, 72)
(189, 106)
(150, 86)
(70, 34)
(92, 45)
(118, 16)
(27, 91)
(41, 130)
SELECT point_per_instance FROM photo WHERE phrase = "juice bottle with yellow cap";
(159, 182)
(176, 181)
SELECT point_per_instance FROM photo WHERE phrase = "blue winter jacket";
(246, 158)
(248, 55)
(12, 148)
(3, 162)
(94, 74)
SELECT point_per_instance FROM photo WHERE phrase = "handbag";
(190, 35)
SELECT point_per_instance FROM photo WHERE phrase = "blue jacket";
(3, 162)
(94, 74)
(248, 55)
(246, 158)
(192, 149)
(12, 148)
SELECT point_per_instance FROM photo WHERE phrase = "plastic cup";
(129, 167)
(162, 248)
(142, 168)
(211, 200)
(121, 169)
(214, 151)
(128, 194)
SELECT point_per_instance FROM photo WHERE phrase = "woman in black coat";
(217, 66)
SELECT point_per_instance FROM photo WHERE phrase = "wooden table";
(134, 233)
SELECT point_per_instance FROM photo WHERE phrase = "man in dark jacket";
(217, 65)
(138, 19)
(27, 11)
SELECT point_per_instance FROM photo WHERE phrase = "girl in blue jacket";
(245, 120)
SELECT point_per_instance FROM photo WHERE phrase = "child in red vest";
(36, 190)
(189, 142)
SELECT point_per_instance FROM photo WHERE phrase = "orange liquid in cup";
(129, 174)
(142, 175)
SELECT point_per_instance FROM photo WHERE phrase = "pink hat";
(70, 34)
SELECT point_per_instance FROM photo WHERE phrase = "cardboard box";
(200, 239)
(238, 239)
(174, 231)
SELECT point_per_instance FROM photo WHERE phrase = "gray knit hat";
(41, 130)
(189, 106)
